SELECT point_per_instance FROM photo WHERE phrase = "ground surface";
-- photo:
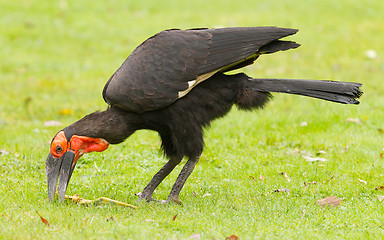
(57, 55)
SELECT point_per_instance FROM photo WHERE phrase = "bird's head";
(66, 149)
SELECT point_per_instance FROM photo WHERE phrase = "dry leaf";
(261, 177)
(66, 111)
(362, 181)
(329, 179)
(314, 159)
(309, 183)
(285, 176)
(379, 188)
(4, 152)
(381, 198)
(232, 237)
(195, 236)
(371, 54)
(43, 219)
(52, 123)
(254, 179)
(328, 201)
(282, 190)
(174, 217)
(353, 120)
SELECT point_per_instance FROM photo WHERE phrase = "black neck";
(112, 125)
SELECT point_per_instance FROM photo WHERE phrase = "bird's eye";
(59, 149)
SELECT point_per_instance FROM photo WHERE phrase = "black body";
(153, 90)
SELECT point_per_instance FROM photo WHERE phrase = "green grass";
(57, 55)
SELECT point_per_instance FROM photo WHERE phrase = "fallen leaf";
(293, 152)
(309, 183)
(174, 217)
(27, 101)
(371, 54)
(328, 201)
(254, 179)
(314, 159)
(353, 120)
(379, 188)
(282, 190)
(285, 176)
(45, 221)
(5, 216)
(362, 181)
(261, 177)
(52, 123)
(5, 152)
(195, 236)
(381, 198)
(321, 152)
(66, 111)
(329, 179)
(232, 237)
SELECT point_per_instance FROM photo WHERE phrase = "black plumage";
(175, 83)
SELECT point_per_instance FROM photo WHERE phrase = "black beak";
(56, 167)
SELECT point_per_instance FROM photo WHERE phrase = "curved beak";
(56, 167)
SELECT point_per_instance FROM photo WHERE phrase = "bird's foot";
(149, 198)
(146, 197)
(173, 199)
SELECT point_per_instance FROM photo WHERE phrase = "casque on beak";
(55, 167)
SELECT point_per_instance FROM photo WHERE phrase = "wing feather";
(161, 69)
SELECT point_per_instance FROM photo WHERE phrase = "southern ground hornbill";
(174, 83)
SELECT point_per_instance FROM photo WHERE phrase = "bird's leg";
(182, 178)
(158, 178)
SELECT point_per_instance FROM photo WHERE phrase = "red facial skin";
(78, 145)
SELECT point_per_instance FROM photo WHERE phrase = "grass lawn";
(56, 57)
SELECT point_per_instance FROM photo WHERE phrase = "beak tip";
(55, 168)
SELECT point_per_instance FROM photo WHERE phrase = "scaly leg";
(182, 178)
(158, 178)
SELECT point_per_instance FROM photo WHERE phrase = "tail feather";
(340, 92)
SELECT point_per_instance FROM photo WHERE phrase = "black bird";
(174, 83)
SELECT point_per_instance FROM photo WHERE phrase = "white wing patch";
(205, 76)
(193, 83)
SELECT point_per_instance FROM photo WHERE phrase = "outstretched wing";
(168, 65)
